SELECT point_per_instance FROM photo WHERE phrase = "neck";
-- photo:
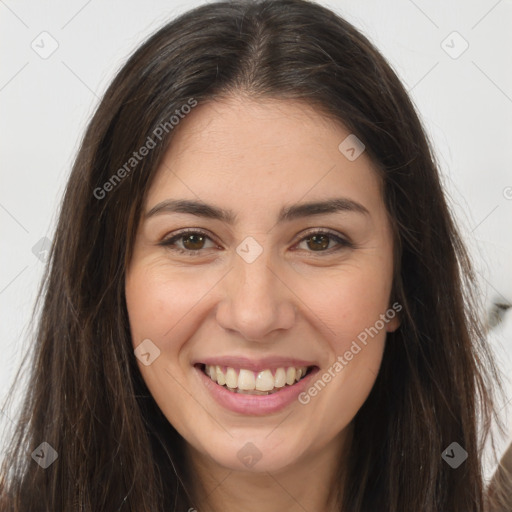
(309, 483)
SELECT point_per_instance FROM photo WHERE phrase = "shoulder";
(500, 487)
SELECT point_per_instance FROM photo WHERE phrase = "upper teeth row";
(248, 380)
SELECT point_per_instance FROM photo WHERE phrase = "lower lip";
(255, 405)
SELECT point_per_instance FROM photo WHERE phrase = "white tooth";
(221, 380)
(210, 370)
(290, 375)
(231, 378)
(246, 380)
(252, 392)
(280, 378)
(265, 381)
(298, 374)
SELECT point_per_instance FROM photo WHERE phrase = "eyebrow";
(287, 213)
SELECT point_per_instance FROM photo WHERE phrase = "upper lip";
(254, 364)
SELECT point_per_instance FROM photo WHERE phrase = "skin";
(255, 157)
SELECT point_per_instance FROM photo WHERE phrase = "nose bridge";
(257, 280)
(255, 301)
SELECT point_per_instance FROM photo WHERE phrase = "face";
(263, 258)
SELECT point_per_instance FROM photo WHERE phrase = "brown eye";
(193, 242)
(323, 241)
(318, 242)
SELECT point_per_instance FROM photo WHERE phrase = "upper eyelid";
(167, 239)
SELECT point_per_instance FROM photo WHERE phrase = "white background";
(465, 104)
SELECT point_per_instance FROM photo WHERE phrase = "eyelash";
(342, 243)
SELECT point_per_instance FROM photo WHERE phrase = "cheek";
(160, 302)
(161, 308)
(355, 345)
(348, 301)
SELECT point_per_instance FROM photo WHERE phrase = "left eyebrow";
(287, 213)
(341, 204)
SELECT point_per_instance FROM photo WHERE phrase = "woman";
(257, 297)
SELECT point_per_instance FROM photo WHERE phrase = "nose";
(256, 302)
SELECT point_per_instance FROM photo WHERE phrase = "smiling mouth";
(248, 382)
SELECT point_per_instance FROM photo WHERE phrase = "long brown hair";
(85, 396)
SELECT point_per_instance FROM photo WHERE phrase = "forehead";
(250, 153)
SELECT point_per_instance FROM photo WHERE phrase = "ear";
(393, 324)
(393, 313)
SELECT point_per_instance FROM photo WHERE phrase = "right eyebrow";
(193, 208)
